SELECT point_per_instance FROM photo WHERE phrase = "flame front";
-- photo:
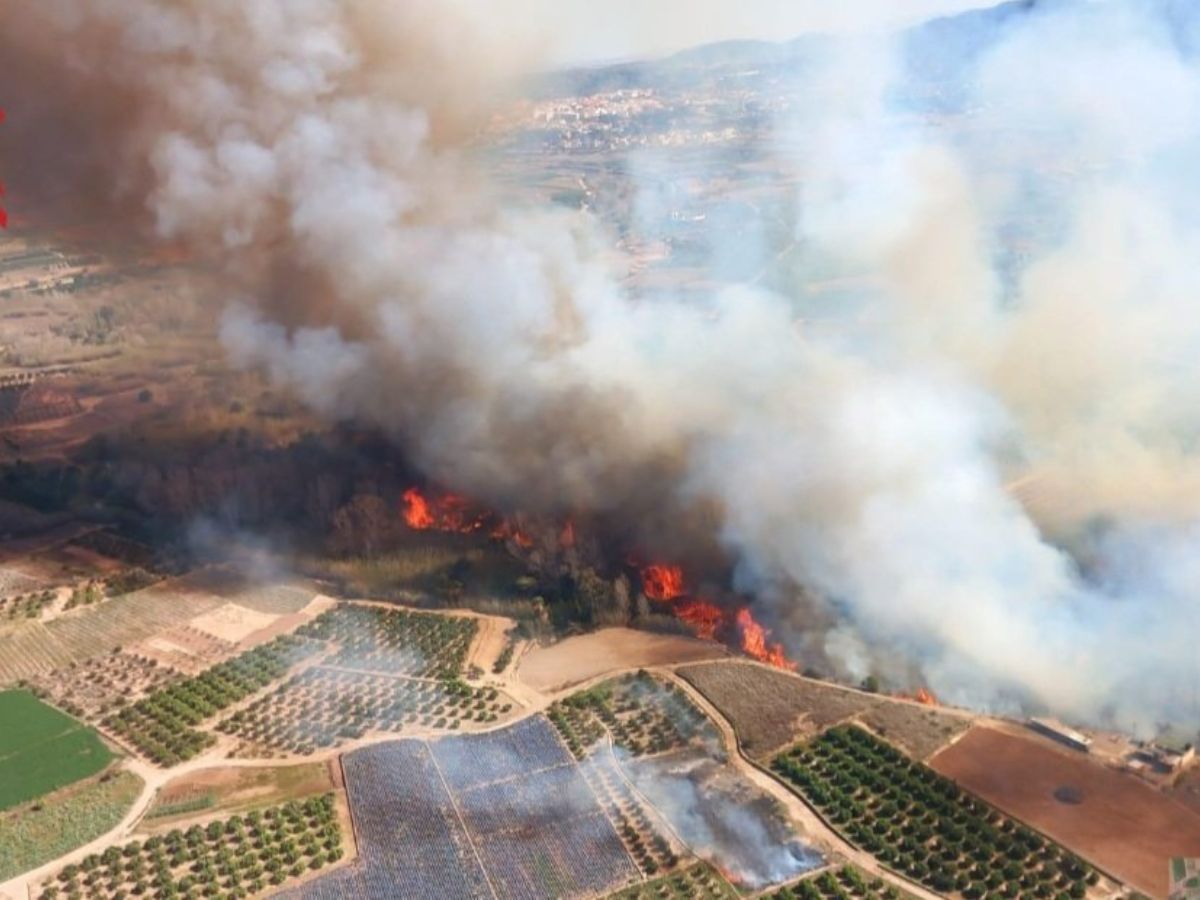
(416, 511)
(924, 696)
(754, 642)
(456, 514)
(705, 618)
(662, 582)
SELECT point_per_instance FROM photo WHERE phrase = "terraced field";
(29, 649)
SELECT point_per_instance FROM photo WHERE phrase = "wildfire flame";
(662, 582)
(924, 696)
(456, 514)
(566, 537)
(705, 618)
(754, 642)
(416, 511)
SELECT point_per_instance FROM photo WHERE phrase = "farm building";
(1056, 730)
(1174, 751)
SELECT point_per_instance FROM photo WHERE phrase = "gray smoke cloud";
(319, 151)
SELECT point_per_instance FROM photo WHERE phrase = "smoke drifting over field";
(317, 148)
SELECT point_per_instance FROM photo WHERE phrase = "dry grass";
(919, 730)
(210, 792)
(770, 709)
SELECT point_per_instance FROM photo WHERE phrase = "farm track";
(812, 822)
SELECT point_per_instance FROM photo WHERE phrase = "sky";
(583, 31)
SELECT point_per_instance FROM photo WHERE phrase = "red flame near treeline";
(456, 514)
(661, 582)
(665, 583)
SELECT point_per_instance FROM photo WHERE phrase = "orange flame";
(507, 531)
(447, 512)
(754, 642)
(566, 537)
(662, 582)
(416, 511)
(705, 618)
(924, 696)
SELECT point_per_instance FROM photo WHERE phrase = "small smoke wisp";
(319, 152)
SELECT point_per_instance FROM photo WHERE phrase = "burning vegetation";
(455, 514)
(661, 582)
(665, 583)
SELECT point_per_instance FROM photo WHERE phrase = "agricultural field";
(395, 641)
(641, 714)
(34, 834)
(697, 882)
(225, 790)
(162, 726)
(504, 814)
(1185, 879)
(724, 817)
(583, 657)
(323, 707)
(1113, 819)
(95, 687)
(536, 824)
(846, 882)
(25, 606)
(228, 857)
(29, 648)
(770, 709)
(42, 749)
(411, 842)
(920, 823)
(640, 829)
(13, 582)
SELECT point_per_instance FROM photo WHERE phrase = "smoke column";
(319, 152)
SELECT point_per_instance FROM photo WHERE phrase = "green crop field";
(35, 834)
(42, 749)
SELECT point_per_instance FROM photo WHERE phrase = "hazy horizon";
(576, 32)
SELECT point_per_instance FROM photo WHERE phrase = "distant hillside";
(938, 48)
(941, 51)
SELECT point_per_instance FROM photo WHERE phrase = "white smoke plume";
(318, 150)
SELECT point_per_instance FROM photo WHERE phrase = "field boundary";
(920, 888)
(1103, 871)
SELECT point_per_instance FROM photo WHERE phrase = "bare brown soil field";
(1115, 821)
(578, 659)
(1187, 788)
(770, 709)
(231, 623)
